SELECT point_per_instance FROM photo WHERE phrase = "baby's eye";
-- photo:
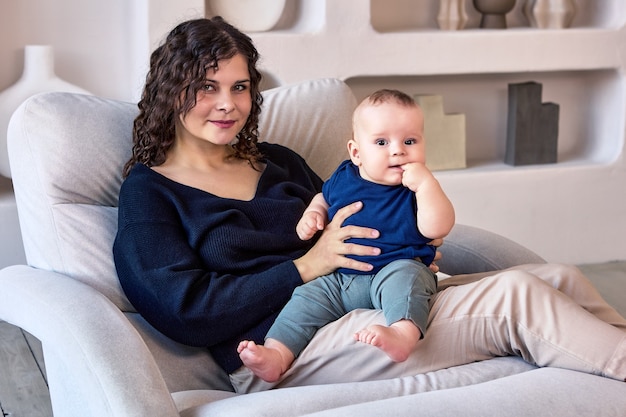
(410, 141)
(381, 142)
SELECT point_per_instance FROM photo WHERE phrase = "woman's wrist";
(304, 269)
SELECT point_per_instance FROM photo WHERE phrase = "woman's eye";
(241, 88)
(208, 87)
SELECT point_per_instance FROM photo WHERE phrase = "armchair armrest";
(96, 360)
(470, 249)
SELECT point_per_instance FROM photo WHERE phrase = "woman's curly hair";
(177, 72)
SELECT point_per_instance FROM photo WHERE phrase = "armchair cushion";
(60, 202)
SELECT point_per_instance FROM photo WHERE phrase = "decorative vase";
(38, 77)
(249, 15)
(493, 12)
(550, 14)
(452, 15)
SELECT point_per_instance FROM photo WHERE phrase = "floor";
(23, 384)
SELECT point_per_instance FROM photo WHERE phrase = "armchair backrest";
(67, 150)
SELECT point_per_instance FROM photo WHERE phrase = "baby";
(405, 203)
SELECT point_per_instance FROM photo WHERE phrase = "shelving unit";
(555, 209)
(572, 211)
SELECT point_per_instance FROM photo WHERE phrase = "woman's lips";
(224, 124)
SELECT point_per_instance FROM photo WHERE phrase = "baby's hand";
(311, 222)
(414, 175)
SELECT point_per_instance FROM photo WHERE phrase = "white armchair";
(102, 359)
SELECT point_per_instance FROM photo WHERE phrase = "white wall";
(103, 47)
(100, 46)
(90, 39)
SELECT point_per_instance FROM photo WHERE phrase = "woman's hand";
(329, 253)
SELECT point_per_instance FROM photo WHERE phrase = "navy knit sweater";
(210, 271)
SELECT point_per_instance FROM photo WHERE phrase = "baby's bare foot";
(264, 362)
(397, 340)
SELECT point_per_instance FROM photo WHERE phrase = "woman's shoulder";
(282, 156)
(147, 196)
(144, 183)
(288, 164)
(276, 151)
(139, 177)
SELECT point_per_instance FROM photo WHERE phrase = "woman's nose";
(225, 103)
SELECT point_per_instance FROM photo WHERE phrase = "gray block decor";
(532, 126)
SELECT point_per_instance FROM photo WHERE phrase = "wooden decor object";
(493, 12)
(550, 14)
(444, 133)
(532, 126)
(452, 15)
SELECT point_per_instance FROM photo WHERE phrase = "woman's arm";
(171, 287)
(328, 253)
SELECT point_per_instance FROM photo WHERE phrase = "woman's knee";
(559, 276)
(516, 282)
(565, 275)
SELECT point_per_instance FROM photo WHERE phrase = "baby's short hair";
(384, 95)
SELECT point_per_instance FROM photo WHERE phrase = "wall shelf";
(583, 97)
(409, 15)
(396, 43)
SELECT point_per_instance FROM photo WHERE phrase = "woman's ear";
(353, 151)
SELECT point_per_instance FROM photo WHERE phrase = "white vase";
(38, 77)
(249, 15)
(550, 14)
(452, 15)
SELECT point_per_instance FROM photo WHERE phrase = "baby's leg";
(397, 340)
(267, 362)
(402, 289)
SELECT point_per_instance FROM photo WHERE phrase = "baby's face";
(386, 137)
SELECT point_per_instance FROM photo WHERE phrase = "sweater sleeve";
(168, 283)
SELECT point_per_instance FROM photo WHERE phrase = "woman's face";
(222, 105)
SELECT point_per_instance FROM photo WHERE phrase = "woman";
(207, 252)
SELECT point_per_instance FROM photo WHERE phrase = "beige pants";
(533, 311)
